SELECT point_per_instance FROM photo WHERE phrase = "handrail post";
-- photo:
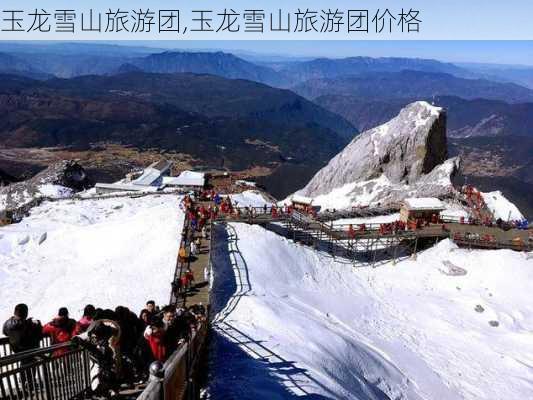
(157, 374)
(46, 377)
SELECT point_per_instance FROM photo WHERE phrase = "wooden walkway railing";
(464, 235)
(45, 374)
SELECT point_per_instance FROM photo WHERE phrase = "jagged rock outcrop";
(406, 156)
(6, 179)
(60, 179)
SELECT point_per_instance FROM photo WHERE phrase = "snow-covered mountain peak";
(401, 152)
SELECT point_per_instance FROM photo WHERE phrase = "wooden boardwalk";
(465, 235)
(198, 264)
(338, 240)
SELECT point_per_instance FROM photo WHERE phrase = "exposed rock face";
(403, 157)
(58, 180)
(65, 173)
(5, 179)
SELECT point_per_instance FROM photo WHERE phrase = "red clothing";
(60, 330)
(156, 343)
(82, 325)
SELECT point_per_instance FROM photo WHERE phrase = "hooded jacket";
(60, 329)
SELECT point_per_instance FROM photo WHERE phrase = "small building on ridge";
(423, 208)
(189, 180)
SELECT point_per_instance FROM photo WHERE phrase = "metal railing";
(58, 372)
(175, 380)
(5, 348)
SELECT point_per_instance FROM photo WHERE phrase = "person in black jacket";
(23, 333)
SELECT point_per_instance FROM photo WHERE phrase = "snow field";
(501, 207)
(407, 331)
(105, 252)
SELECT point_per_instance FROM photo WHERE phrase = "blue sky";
(487, 31)
(441, 20)
(495, 52)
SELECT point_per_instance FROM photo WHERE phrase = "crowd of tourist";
(153, 335)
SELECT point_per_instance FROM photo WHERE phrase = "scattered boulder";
(479, 308)
(494, 323)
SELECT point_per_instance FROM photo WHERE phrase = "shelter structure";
(153, 174)
(420, 208)
(301, 203)
(189, 180)
(148, 180)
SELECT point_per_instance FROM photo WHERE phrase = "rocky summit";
(60, 179)
(406, 156)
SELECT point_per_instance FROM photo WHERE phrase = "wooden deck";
(199, 264)
(199, 292)
(463, 234)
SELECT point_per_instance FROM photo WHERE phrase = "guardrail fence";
(58, 372)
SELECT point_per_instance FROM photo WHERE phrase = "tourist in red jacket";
(154, 335)
(83, 324)
(60, 329)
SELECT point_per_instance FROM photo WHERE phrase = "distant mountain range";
(235, 124)
(217, 107)
(219, 63)
(413, 84)
(466, 118)
(325, 68)
(210, 96)
(68, 60)
(519, 74)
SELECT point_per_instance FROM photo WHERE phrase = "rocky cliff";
(406, 156)
(61, 179)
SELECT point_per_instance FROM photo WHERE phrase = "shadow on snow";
(242, 367)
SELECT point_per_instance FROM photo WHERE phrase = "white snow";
(369, 193)
(380, 219)
(55, 191)
(243, 182)
(377, 137)
(249, 198)
(423, 203)
(295, 198)
(105, 252)
(126, 187)
(302, 324)
(186, 178)
(455, 215)
(501, 207)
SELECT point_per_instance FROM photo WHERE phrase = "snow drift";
(105, 252)
(453, 324)
(405, 157)
(501, 207)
